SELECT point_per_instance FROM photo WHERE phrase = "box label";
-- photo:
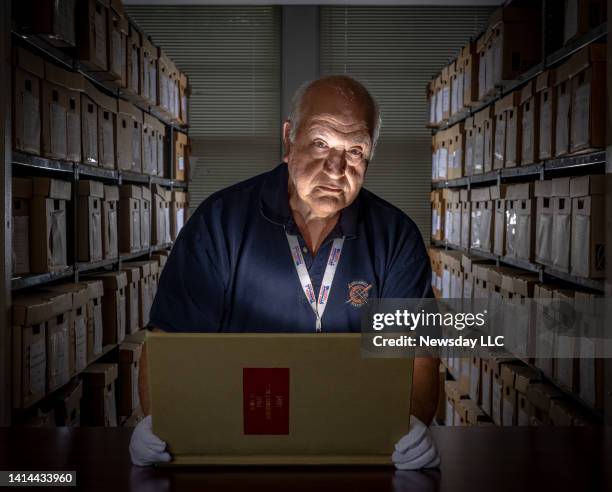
(266, 400)
(31, 122)
(73, 136)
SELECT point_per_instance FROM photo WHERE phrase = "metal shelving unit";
(545, 273)
(543, 170)
(507, 87)
(36, 279)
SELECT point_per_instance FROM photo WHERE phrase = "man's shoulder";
(233, 198)
(381, 212)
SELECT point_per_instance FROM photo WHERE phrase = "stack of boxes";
(61, 329)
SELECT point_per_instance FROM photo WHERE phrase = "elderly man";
(300, 248)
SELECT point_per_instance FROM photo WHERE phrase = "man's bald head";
(336, 94)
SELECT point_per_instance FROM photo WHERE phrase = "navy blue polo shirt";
(231, 268)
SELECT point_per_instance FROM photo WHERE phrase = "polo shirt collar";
(274, 205)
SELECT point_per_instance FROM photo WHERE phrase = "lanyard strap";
(317, 305)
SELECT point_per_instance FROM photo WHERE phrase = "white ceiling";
(319, 2)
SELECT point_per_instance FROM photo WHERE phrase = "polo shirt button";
(305, 249)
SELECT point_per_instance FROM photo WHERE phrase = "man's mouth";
(331, 189)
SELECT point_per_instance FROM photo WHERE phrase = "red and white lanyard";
(317, 305)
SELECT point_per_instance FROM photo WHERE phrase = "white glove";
(416, 449)
(145, 447)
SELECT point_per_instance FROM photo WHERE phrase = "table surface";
(473, 459)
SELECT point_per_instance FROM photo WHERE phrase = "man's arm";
(425, 388)
(143, 380)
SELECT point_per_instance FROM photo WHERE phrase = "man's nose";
(335, 164)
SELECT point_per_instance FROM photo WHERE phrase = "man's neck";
(314, 228)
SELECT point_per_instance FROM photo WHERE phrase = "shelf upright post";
(6, 375)
(75, 221)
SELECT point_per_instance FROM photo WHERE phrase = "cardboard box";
(164, 68)
(529, 124)
(129, 218)
(498, 197)
(475, 379)
(30, 315)
(95, 328)
(540, 395)
(510, 408)
(161, 215)
(591, 374)
(129, 137)
(107, 116)
(149, 145)
(520, 236)
(134, 61)
(129, 365)
(436, 280)
(132, 298)
(145, 217)
(58, 339)
(456, 158)
(566, 364)
(73, 86)
(588, 244)
(89, 130)
(545, 322)
(89, 210)
(110, 239)
(499, 145)
(20, 216)
(154, 280)
(28, 74)
(181, 156)
(61, 118)
(487, 121)
(179, 208)
(48, 225)
(113, 306)
(563, 101)
(431, 103)
(479, 142)
(544, 221)
(497, 388)
(437, 215)
(451, 268)
(144, 291)
(184, 93)
(514, 135)
(99, 404)
(561, 224)
(77, 328)
(53, 20)
(92, 34)
(67, 405)
(161, 259)
(162, 170)
(480, 273)
(588, 88)
(474, 415)
(545, 89)
(470, 60)
(453, 84)
(481, 51)
(453, 396)
(470, 141)
(514, 44)
(148, 55)
(482, 226)
(119, 30)
(581, 16)
(466, 207)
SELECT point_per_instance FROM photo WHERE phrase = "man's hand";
(416, 449)
(145, 447)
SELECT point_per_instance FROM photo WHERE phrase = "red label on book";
(266, 400)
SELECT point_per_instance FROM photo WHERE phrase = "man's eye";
(356, 153)
(320, 144)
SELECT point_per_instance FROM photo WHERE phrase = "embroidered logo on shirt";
(358, 292)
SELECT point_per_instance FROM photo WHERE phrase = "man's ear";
(286, 140)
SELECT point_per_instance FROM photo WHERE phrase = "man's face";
(328, 158)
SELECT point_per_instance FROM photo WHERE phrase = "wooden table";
(473, 459)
